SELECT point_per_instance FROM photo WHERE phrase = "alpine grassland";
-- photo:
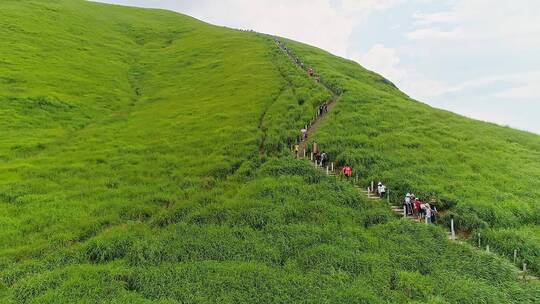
(144, 159)
(486, 177)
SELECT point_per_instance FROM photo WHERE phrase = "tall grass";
(480, 174)
(144, 161)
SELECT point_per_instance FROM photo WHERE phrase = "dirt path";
(313, 126)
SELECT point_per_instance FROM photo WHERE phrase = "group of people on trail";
(321, 158)
(424, 212)
(296, 60)
(412, 205)
(323, 108)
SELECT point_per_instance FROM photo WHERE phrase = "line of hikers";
(323, 109)
(296, 60)
(412, 206)
(424, 212)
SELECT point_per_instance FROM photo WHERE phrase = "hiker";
(428, 214)
(381, 189)
(324, 158)
(325, 107)
(347, 171)
(318, 79)
(407, 204)
(416, 206)
(433, 212)
(303, 131)
(296, 150)
(422, 210)
(310, 72)
(321, 110)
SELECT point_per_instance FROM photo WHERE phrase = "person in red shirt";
(416, 207)
(347, 171)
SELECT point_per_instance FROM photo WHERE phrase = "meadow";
(144, 160)
(486, 177)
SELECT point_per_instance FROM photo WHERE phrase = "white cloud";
(383, 60)
(483, 20)
(440, 17)
(435, 33)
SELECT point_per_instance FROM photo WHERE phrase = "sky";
(478, 58)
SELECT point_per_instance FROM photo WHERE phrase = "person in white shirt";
(408, 206)
(428, 213)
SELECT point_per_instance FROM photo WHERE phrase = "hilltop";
(145, 159)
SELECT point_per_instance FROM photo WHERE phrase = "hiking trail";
(334, 171)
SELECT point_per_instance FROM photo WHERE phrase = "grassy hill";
(144, 161)
(485, 176)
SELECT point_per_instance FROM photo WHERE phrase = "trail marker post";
(453, 235)
(388, 196)
(311, 156)
(304, 153)
(479, 242)
(332, 166)
(515, 255)
(487, 248)
(327, 170)
(524, 271)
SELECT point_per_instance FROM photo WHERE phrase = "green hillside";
(144, 159)
(485, 176)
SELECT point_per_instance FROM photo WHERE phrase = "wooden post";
(315, 147)
(524, 271)
(371, 186)
(311, 156)
(487, 248)
(453, 235)
(332, 166)
(515, 255)
(479, 243)
(316, 164)
(404, 211)
(327, 170)
(388, 196)
(304, 153)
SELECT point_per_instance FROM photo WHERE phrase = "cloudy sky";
(479, 58)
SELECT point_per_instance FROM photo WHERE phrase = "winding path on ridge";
(313, 126)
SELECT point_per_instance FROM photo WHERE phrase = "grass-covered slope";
(135, 168)
(485, 175)
(113, 113)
